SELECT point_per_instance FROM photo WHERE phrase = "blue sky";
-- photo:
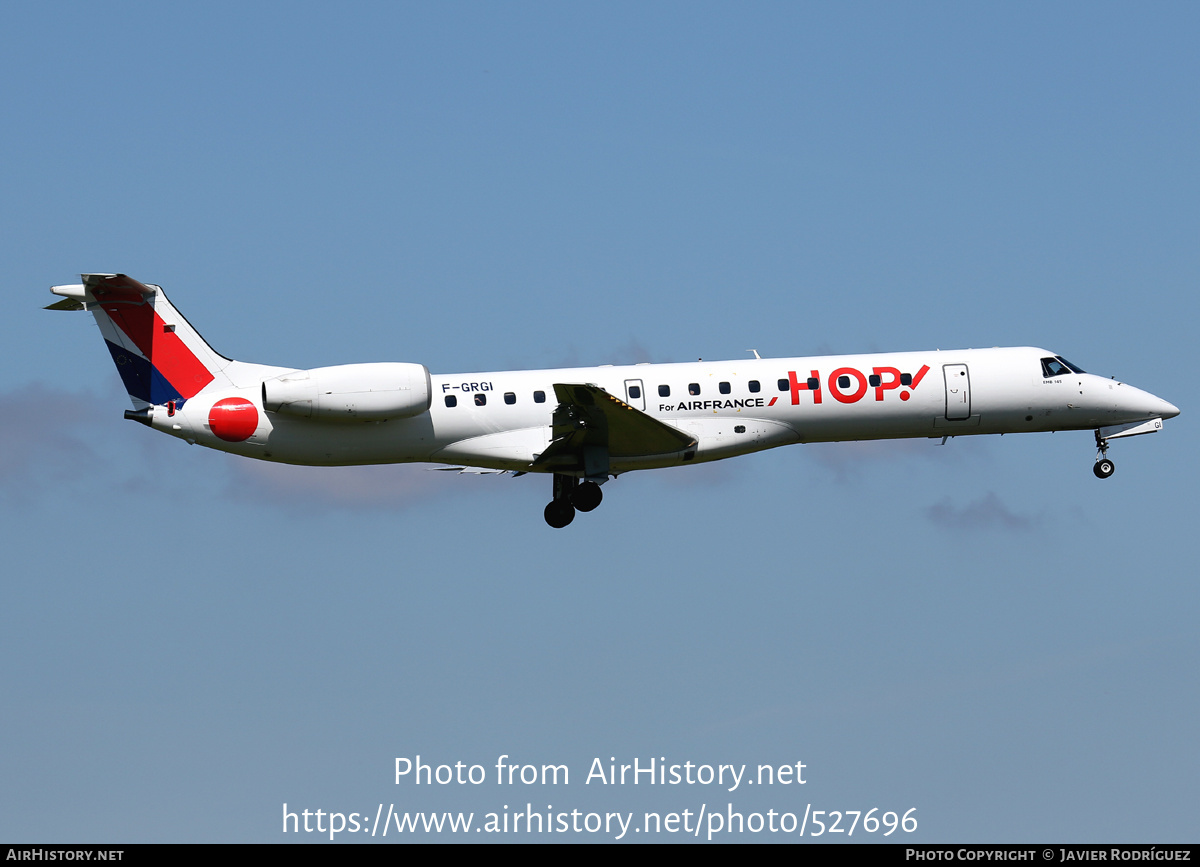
(982, 631)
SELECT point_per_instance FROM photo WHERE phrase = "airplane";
(585, 426)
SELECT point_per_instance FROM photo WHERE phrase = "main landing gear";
(1104, 467)
(570, 495)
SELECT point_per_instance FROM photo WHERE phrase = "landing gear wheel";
(1104, 468)
(586, 496)
(559, 513)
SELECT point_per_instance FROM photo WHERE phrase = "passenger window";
(693, 388)
(510, 398)
(906, 379)
(783, 385)
(813, 383)
(539, 397)
(754, 386)
(664, 391)
(875, 380)
(843, 382)
(481, 399)
(723, 387)
(635, 392)
(451, 400)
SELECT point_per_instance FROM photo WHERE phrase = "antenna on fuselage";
(756, 355)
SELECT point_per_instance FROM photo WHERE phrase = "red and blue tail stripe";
(142, 379)
(155, 364)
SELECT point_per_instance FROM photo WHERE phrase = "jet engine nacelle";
(351, 392)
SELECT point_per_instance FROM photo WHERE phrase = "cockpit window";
(1058, 366)
(1052, 367)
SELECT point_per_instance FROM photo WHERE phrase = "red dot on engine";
(904, 395)
(233, 419)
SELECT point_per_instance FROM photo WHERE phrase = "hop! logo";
(850, 385)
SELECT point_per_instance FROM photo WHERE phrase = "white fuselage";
(496, 420)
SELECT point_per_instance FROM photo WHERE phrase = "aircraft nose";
(1141, 403)
(1166, 409)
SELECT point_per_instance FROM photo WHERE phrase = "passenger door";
(958, 392)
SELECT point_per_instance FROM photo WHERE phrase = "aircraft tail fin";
(160, 357)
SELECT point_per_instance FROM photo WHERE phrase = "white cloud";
(384, 486)
(986, 513)
(43, 435)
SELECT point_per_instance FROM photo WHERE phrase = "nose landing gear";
(1104, 467)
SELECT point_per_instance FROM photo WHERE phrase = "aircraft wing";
(588, 416)
(476, 471)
